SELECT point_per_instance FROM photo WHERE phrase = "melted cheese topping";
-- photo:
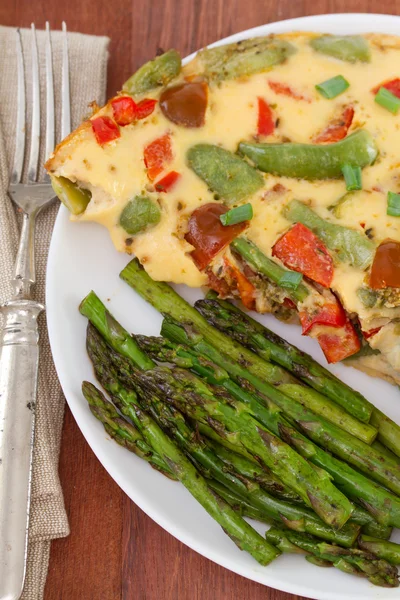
(116, 172)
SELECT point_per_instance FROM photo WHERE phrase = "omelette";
(267, 170)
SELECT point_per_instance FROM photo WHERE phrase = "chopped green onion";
(290, 280)
(352, 177)
(388, 100)
(393, 204)
(237, 215)
(332, 87)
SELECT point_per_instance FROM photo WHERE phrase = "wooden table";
(115, 551)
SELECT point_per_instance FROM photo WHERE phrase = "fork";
(19, 338)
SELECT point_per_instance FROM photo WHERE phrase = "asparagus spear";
(231, 320)
(124, 433)
(238, 504)
(236, 327)
(260, 263)
(383, 549)
(389, 431)
(127, 435)
(355, 484)
(247, 510)
(296, 517)
(167, 301)
(378, 466)
(93, 308)
(352, 560)
(316, 489)
(252, 470)
(271, 347)
(244, 536)
(383, 449)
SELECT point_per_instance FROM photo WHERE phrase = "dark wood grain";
(115, 552)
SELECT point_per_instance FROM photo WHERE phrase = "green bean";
(350, 48)
(230, 177)
(154, 73)
(139, 214)
(244, 58)
(312, 161)
(347, 244)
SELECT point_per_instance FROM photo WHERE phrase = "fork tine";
(65, 94)
(20, 132)
(35, 133)
(49, 96)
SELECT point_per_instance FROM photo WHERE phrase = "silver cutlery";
(19, 338)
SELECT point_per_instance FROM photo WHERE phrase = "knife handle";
(19, 355)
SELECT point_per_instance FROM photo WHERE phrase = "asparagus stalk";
(383, 549)
(379, 467)
(240, 327)
(356, 485)
(296, 517)
(244, 536)
(93, 308)
(388, 431)
(228, 318)
(167, 301)
(198, 402)
(252, 470)
(124, 433)
(231, 320)
(238, 504)
(354, 561)
(383, 449)
(247, 510)
(267, 267)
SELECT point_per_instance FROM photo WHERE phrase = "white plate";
(82, 258)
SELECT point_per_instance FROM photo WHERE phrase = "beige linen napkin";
(88, 63)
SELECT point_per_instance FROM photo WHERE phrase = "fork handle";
(24, 270)
(19, 354)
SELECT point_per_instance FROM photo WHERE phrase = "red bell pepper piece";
(105, 130)
(167, 183)
(301, 250)
(339, 343)
(330, 313)
(393, 86)
(288, 303)
(124, 109)
(371, 332)
(144, 108)
(337, 130)
(157, 155)
(265, 123)
(207, 234)
(285, 90)
(245, 288)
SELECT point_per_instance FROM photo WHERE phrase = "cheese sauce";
(116, 172)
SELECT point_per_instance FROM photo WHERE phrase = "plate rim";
(378, 22)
